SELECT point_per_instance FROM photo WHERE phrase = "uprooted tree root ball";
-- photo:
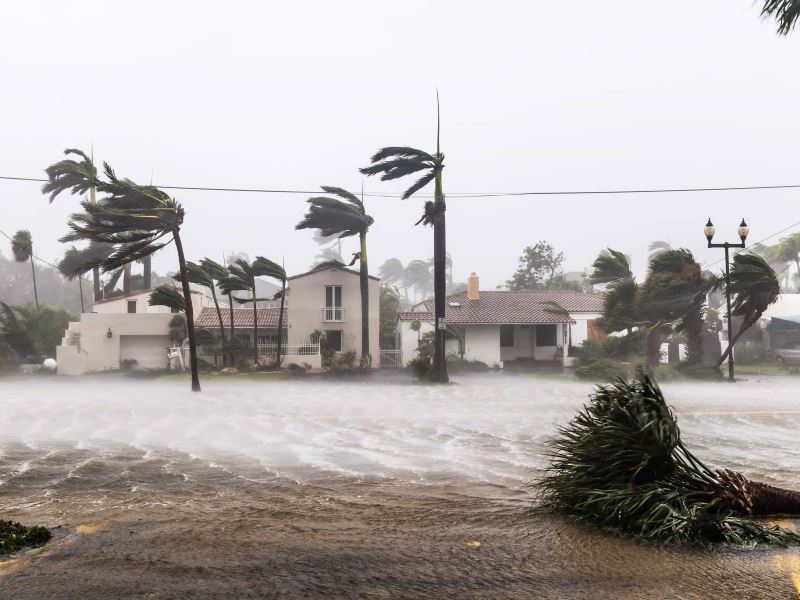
(620, 464)
(14, 536)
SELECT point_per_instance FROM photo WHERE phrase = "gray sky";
(293, 95)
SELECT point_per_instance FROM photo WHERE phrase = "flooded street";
(298, 489)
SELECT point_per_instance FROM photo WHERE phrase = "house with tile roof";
(500, 327)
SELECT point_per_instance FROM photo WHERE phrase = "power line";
(454, 195)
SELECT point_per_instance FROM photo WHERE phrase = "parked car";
(789, 354)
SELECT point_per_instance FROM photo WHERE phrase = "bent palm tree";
(22, 249)
(275, 271)
(398, 161)
(137, 220)
(754, 287)
(197, 274)
(786, 12)
(621, 299)
(344, 218)
(218, 273)
(242, 276)
(80, 176)
(76, 262)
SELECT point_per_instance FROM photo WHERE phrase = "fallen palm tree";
(620, 464)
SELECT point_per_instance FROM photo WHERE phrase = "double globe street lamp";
(743, 230)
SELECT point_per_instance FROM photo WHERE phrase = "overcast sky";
(292, 95)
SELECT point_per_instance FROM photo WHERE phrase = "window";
(506, 336)
(131, 306)
(333, 310)
(546, 335)
(334, 338)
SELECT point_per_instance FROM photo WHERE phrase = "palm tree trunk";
(653, 347)
(439, 372)
(126, 279)
(221, 325)
(233, 332)
(279, 358)
(366, 357)
(147, 273)
(255, 327)
(80, 289)
(187, 297)
(33, 272)
(731, 343)
(98, 293)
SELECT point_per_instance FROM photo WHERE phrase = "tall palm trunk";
(731, 343)
(233, 332)
(694, 338)
(80, 289)
(33, 272)
(126, 279)
(221, 325)
(187, 297)
(653, 345)
(279, 357)
(255, 327)
(439, 372)
(147, 273)
(366, 357)
(98, 293)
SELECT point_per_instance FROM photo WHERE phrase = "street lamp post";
(709, 233)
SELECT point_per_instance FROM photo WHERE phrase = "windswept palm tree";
(786, 13)
(418, 275)
(242, 277)
(344, 218)
(621, 299)
(75, 261)
(80, 176)
(275, 271)
(609, 266)
(753, 287)
(218, 273)
(394, 162)
(137, 220)
(658, 246)
(197, 274)
(22, 250)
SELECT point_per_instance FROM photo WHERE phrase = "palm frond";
(167, 295)
(400, 152)
(621, 464)
(213, 268)
(76, 261)
(610, 265)
(68, 174)
(786, 13)
(22, 245)
(420, 183)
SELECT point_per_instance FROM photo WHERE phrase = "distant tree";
(218, 273)
(197, 274)
(76, 262)
(538, 264)
(621, 299)
(417, 275)
(22, 250)
(389, 307)
(330, 248)
(243, 278)
(30, 330)
(785, 12)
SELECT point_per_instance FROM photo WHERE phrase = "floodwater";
(336, 489)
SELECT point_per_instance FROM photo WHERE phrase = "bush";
(14, 536)
(128, 364)
(345, 361)
(456, 364)
(602, 369)
(295, 368)
(421, 366)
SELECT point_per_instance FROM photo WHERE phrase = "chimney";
(473, 287)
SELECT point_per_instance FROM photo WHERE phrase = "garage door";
(149, 351)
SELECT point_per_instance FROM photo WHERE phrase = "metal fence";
(266, 350)
(391, 359)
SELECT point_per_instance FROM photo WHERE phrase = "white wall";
(407, 339)
(97, 351)
(201, 297)
(305, 300)
(482, 342)
(580, 329)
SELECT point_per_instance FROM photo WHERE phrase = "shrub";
(602, 369)
(128, 364)
(14, 536)
(456, 363)
(295, 368)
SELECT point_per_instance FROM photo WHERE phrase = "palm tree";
(74, 263)
(658, 246)
(218, 273)
(418, 275)
(394, 162)
(345, 218)
(276, 271)
(199, 275)
(786, 12)
(22, 249)
(242, 276)
(137, 220)
(621, 300)
(392, 272)
(754, 287)
(80, 176)
(786, 251)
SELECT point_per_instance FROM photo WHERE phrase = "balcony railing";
(333, 314)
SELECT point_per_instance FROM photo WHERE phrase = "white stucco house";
(500, 327)
(326, 298)
(123, 328)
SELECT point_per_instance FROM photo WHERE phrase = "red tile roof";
(242, 317)
(504, 307)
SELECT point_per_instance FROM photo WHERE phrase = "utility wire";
(756, 243)
(48, 263)
(476, 194)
